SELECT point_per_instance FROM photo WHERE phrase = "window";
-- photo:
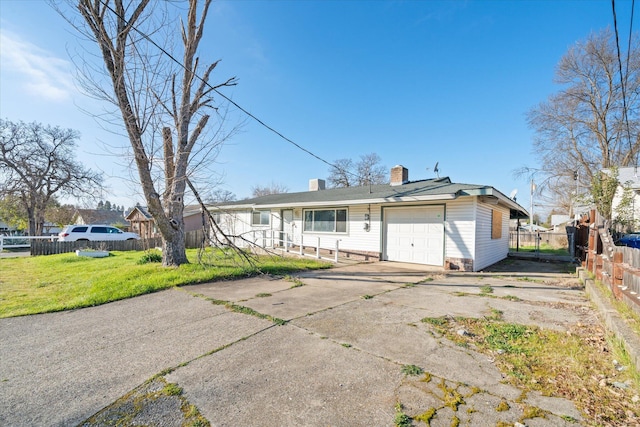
(80, 229)
(326, 220)
(260, 217)
(101, 230)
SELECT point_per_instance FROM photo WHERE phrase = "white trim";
(381, 201)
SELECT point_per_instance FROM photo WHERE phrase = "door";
(415, 234)
(286, 228)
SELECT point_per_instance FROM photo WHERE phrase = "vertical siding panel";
(488, 250)
(460, 229)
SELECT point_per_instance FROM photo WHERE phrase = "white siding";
(356, 238)
(488, 250)
(460, 235)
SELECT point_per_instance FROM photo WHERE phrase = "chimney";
(316, 184)
(399, 175)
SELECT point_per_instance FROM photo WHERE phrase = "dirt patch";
(520, 266)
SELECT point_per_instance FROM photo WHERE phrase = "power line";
(624, 77)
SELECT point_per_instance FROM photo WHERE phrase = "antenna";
(436, 170)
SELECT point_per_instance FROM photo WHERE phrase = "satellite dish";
(513, 193)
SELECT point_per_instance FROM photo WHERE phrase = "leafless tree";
(368, 170)
(584, 127)
(342, 174)
(165, 109)
(273, 188)
(220, 196)
(37, 162)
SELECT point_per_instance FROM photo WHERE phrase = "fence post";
(337, 248)
(301, 244)
(318, 249)
(618, 259)
(1, 242)
(286, 242)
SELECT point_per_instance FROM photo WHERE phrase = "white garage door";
(415, 235)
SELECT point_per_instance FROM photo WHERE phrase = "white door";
(415, 235)
(286, 236)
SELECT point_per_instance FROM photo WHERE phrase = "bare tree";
(368, 170)
(37, 162)
(588, 125)
(273, 188)
(342, 174)
(157, 101)
(220, 196)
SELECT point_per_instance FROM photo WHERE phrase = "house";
(100, 216)
(143, 223)
(193, 218)
(625, 206)
(432, 222)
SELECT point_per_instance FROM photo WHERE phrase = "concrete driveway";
(336, 362)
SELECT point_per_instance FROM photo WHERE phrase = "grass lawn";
(62, 282)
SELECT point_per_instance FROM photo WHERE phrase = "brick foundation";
(459, 264)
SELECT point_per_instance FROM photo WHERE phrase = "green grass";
(63, 282)
(571, 365)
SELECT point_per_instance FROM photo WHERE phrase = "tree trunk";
(173, 249)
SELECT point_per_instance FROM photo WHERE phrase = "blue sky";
(417, 82)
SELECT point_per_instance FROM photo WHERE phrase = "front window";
(326, 220)
(260, 217)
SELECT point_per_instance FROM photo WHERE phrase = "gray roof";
(100, 216)
(416, 191)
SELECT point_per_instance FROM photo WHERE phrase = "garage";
(414, 234)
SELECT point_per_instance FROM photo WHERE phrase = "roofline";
(493, 196)
(381, 200)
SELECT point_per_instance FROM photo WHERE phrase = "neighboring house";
(432, 222)
(142, 222)
(193, 219)
(629, 180)
(100, 216)
(559, 222)
(533, 228)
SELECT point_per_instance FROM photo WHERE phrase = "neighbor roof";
(416, 191)
(100, 216)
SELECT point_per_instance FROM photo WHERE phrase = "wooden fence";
(618, 267)
(193, 239)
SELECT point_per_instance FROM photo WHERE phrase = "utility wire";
(623, 77)
(262, 123)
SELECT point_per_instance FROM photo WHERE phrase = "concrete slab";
(240, 290)
(338, 362)
(61, 368)
(287, 376)
(395, 333)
